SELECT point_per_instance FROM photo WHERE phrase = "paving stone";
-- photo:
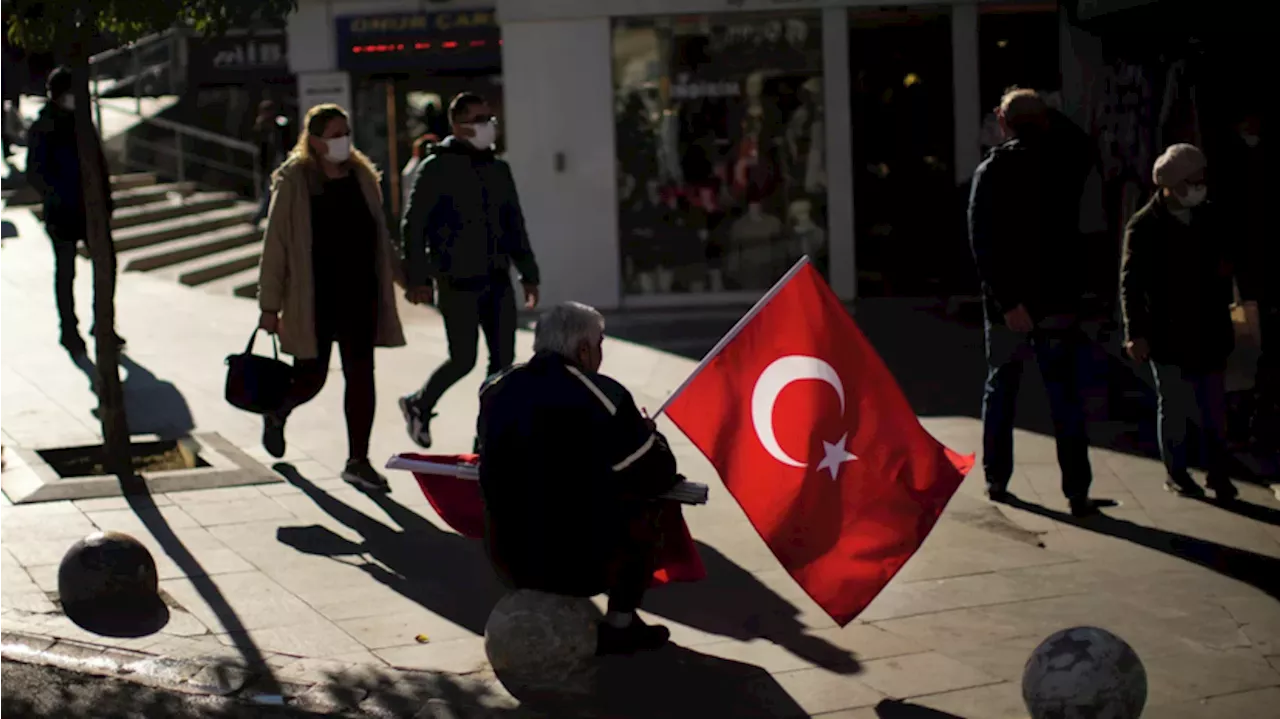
(131, 522)
(818, 690)
(35, 552)
(381, 631)
(239, 602)
(458, 656)
(313, 638)
(994, 701)
(1255, 703)
(1194, 673)
(912, 675)
(211, 514)
(908, 598)
(220, 494)
(771, 657)
(103, 504)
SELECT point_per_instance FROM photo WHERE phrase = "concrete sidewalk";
(320, 580)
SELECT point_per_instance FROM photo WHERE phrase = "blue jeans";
(1060, 353)
(1187, 399)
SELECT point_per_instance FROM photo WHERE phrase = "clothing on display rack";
(753, 239)
(1179, 110)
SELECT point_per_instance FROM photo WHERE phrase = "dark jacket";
(1175, 286)
(1024, 218)
(53, 168)
(564, 457)
(463, 224)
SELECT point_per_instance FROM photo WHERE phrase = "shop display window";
(721, 153)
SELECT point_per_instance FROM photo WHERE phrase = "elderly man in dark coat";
(1176, 293)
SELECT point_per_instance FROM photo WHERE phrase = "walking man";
(462, 232)
(1022, 228)
(1175, 289)
(53, 168)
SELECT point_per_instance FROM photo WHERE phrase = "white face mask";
(1250, 139)
(1195, 195)
(68, 102)
(339, 149)
(486, 133)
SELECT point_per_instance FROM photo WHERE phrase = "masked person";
(326, 277)
(1176, 293)
(462, 232)
(53, 168)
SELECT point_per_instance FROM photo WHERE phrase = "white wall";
(558, 98)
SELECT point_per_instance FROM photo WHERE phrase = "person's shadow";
(154, 406)
(1255, 569)
(458, 583)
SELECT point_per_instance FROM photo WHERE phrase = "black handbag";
(258, 384)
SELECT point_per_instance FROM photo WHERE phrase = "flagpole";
(724, 341)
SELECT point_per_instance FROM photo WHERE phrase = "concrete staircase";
(177, 231)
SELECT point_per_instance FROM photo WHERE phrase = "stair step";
(150, 193)
(130, 180)
(194, 273)
(166, 208)
(194, 247)
(132, 238)
(240, 284)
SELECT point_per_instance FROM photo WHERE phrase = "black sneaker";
(999, 495)
(416, 424)
(1183, 487)
(361, 475)
(1222, 488)
(273, 434)
(635, 637)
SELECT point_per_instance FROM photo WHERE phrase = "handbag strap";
(253, 338)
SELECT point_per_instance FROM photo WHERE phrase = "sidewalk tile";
(818, 690)
(239, 602)
(220, 494)
(458, 656)
(382, 631)
(240, 511)
(317, 638)
(1254, 703)
(867, 641)
(996, 701)
(104, 504)
(1192, 673)
(131, 522)
(912, 675)
(762, 653)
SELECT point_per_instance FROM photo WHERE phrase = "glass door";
(909, 214)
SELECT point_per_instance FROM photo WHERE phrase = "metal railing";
(172, 147)
(154, 66)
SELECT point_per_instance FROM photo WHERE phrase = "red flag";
(815, 440)
(459, 503)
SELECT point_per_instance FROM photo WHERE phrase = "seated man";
(570, 471)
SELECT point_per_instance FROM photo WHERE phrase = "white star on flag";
(835, 455)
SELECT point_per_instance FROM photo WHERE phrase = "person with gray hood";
(1176, 295)
(462, 232)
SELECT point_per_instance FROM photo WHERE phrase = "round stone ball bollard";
(542, 646)
(1084, 673)
(108, 585)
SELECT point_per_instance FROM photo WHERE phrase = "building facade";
(676, 153)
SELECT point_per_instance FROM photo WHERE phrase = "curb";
(225, 679)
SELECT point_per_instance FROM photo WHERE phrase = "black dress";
(344, 257)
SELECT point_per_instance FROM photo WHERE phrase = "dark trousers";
(356, 348)
(66, 239)
(1188, 399)
(467, 313)
(1060, 354)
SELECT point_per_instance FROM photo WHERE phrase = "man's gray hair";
(563, 328)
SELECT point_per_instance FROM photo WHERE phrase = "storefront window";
(721, 162)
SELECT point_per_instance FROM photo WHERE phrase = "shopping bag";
(258, 384)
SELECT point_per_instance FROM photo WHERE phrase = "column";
(967, 96)
(839, 139)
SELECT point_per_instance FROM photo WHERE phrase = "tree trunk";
(96, 188)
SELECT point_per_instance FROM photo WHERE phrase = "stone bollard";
(1084, 673)
(108, 585)
(542, 646)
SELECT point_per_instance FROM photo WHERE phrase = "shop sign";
(235, 59)
(453, 40)
(319, 88)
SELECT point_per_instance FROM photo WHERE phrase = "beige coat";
(285, 282)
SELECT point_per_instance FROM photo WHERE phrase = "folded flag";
(449, 484)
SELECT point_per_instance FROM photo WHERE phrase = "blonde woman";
(326, 277)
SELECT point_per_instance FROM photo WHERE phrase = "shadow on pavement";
(1252, 511)
(154, 406)
(450, 575)
(897, 709)
(733, 603)
(144, 507)
(444, 572)
(1255, 569)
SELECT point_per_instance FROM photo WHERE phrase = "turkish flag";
(815, 440)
